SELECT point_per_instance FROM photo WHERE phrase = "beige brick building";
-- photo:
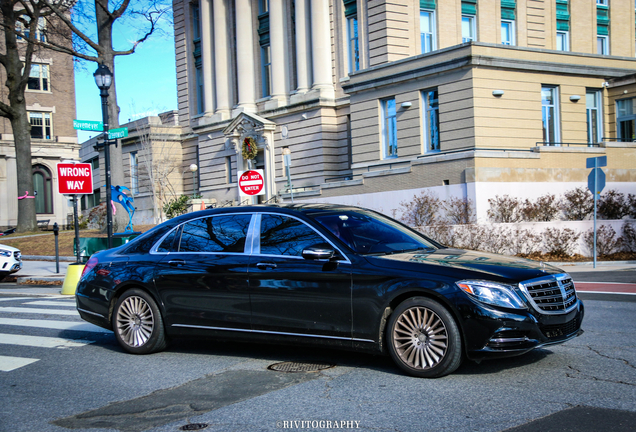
(50, 96)
(377, 100)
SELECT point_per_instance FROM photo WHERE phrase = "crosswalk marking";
(15, 298)
(39, 311)
(57, 325)
(52, 303)
(41, 342)
(8, 363)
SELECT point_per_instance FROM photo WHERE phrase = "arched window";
(43, 186)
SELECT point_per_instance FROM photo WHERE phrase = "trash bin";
(89, 245)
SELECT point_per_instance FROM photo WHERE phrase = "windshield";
(371, 233)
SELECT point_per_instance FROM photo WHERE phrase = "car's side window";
(168, 244)
(215, 234)
(283, 235)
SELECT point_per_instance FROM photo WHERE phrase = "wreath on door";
(250, 149)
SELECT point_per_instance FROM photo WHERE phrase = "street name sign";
(74, 178)
(118, 133)
(88, 125)
(251, 182)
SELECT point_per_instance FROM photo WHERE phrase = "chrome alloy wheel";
(135, 321)
(420, 338)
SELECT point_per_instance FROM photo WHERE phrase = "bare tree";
(160, 165)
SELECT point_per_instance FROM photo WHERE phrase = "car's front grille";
(559, 330)
(553, 294)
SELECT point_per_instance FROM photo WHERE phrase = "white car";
(10, 260)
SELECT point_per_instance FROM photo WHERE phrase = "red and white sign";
(251, 182)
(74, 179)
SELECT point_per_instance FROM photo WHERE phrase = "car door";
(293, 295)
(202, 280)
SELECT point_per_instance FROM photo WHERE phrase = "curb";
(591, 263)
(47, 258)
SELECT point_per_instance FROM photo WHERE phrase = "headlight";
(5, 253)
(492, 293)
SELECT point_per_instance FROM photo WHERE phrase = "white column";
(206, 56)
(303, 59)
(222, 71)
(245, 55)
(321, 48)
(277, 48)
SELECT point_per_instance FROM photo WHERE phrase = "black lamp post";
(104, 79)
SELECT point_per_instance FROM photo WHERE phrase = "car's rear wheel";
(423, 338)
(138, 324)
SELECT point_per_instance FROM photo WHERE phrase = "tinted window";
(215, 234)
(371, 233)
(282, 235)
(168, 244)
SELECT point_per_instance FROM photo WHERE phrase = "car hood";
(464, 264)
(9, 248)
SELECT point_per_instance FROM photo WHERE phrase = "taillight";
(90, 265)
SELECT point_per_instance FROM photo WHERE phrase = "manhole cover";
(193, 427)
(299, 367)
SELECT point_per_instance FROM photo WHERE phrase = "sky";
(146, 80)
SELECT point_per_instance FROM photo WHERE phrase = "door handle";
(265, 266)
(177, 262)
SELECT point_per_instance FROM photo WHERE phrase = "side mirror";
(321, 251)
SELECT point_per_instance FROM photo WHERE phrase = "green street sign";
(88, 125)
(118, 133)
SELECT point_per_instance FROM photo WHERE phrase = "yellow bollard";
(73, 275)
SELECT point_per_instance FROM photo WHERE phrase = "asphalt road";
(587, 384)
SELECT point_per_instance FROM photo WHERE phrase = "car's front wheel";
(423, 338)
(138, 324)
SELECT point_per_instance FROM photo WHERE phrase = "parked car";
(325, 275)
(10, 260)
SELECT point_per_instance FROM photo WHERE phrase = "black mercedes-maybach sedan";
(325, 275)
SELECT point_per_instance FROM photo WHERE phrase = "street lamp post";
(104, 78)
(193, 169)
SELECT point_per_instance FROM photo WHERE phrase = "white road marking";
(52, 303)
(8, 363)
(57, 325)
(15, 298)
(39, 311)
(41, 342)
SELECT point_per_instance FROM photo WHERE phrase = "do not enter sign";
(251, 182)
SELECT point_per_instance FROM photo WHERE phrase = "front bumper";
(10, 267)
(496, 333)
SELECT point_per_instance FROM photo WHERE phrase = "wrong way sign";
(251, 182)
(74, 179)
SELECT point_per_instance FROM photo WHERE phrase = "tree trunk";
(27, 220)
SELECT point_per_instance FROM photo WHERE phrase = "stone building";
(377, 100)
(50, 96)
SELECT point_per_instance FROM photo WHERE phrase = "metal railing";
(562, 144)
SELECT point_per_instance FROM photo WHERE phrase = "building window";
(198, 61)
(626, 119)
(40, 125)
(601, 2)
(90, 200)
(43, 189)
(40, 32)
(431, 120)
(550, 113)
(354, 49)
(602, 44)
(563, 41)
(263, 6)
(39, 77)
(266, 70)
(468, 28)
(508, 32)
(593, 103)
(389, 129)
(427, 31)
(134, 173)
(229, 175)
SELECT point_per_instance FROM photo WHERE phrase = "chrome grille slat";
(552, 294)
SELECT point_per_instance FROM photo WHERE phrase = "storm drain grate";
(193, 426)
(299, 367)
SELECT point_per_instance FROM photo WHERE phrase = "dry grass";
(43, 243)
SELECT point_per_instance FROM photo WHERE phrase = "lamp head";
(103, 77)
